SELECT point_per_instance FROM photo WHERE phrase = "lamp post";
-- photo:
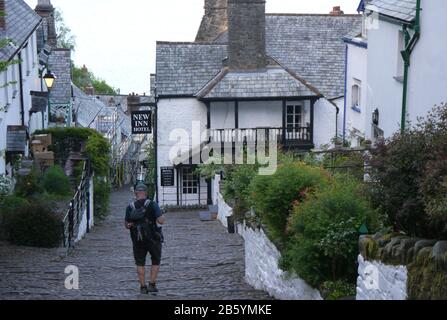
(49, 79)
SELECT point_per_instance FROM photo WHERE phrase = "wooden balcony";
(288, 137)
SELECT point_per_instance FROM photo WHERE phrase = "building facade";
(265, 77)
(21, 108)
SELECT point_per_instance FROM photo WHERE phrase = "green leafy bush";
(35, 225)
(29, 185)
(235, 187)
(56, 182)
(335, 290)
(101, 197)
(273, 196)
(8, 206)
(324, 229)
(409, 182)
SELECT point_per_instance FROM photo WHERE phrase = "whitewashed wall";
(178, 114)
(377, 281)
(427, 74)
(222, 115)
(325, 115)
(356, 69)
(384, 91)
(11, 95)
(253, 114)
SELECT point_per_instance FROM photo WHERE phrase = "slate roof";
(269, 83)
(88, 108)
(59, 63)
(404, 10)
(310, 45)
(184, 68)
(21, 21)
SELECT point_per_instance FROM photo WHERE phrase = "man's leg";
(154, 273)
(142, 275)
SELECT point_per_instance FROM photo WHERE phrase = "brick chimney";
(2, 17)
(133, 100)
(214, 22)
(336, 11)
(45, 9)
(246, 34)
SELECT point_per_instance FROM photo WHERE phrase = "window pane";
(289, 109)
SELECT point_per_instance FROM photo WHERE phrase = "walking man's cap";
(141, 187)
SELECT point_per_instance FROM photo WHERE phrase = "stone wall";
(214, 22)
(262, 270)
(395, 266)
(378, 281)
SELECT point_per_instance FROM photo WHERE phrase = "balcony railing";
(290, 135)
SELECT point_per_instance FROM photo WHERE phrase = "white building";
(395, 27)
(283, 73)
(22, 110)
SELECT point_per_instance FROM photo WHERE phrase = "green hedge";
(273, 196)
(56, 182)
(34, 224)
(324, 230)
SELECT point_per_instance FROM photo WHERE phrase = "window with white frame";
(294, 117)
(190, 181)
(356, 92)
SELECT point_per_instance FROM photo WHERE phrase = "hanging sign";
(141, 122)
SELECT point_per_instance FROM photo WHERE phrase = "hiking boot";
(144, 290)
(152, 288)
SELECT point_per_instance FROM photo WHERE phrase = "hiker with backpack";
(144, 219)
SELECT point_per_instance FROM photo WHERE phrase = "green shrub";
(273, 196)
(324, 232)
(97, 149)
(56, 182)
(409, 182)
(8, 206)
(35, 225)
(101, 197)
(335, 290)
(235, 187)
(29, 185)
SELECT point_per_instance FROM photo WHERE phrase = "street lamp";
(49, 79)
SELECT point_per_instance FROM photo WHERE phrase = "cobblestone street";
(200, 261)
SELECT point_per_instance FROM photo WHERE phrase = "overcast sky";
(116, 38)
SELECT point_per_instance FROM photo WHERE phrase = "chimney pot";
(336, 11)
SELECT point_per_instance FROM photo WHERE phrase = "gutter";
(22, 101)
(410, 43)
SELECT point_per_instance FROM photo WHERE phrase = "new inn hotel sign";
(141, 122)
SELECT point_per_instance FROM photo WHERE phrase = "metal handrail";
(79, 202)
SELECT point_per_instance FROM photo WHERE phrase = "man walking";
(144, 219)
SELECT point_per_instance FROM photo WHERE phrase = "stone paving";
(200, 261)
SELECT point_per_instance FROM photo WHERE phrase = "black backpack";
(144, 226)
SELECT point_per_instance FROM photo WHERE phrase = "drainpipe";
(410, 43)
(22, 101)
(346, 90)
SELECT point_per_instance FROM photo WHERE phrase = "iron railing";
(281, 135)
(79, 205)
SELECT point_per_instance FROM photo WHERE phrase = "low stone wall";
(398, 267)
(261, 260)
(378, 281)
(262, 270)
